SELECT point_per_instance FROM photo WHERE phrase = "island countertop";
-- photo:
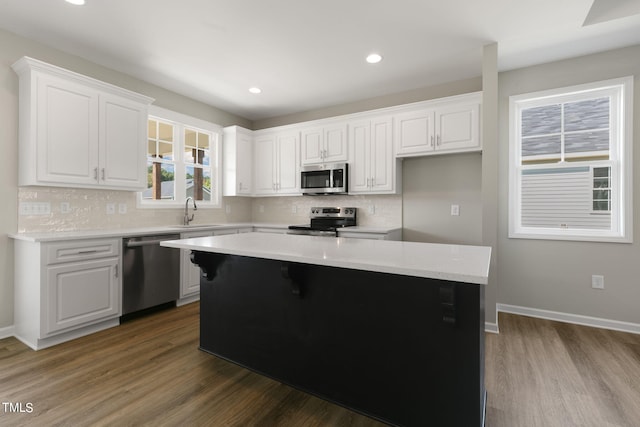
(459, 263)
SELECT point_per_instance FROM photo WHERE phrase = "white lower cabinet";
(64, 290)
(80, 293)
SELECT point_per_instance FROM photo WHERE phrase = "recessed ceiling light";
(255, 90)
(76, 2)
(374, 58)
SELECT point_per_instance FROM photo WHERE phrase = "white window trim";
(621, 150)
(181, 121)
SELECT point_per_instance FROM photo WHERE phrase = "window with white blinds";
(570, 163)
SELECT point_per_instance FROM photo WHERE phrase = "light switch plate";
(455, 210)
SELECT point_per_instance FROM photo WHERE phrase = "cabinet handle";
(373, 181)
(91, 251)
(432, 140)
(95, 173)
(116, 270)
(438, 140)
(103, 174)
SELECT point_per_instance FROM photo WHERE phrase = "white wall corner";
(577, 319)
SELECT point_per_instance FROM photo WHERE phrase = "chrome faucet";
(187, 218)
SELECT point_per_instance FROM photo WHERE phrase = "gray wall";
(556, 275)
(13, 47)
(430, 186)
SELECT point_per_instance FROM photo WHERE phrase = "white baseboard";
(6, 332)
(577, 319)
(491, 327)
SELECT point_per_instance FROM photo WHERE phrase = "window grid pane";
(571, 131)
(160, 162)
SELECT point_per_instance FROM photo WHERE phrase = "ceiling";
(311, 54)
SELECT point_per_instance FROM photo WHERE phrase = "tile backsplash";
(82, 209)
(383, 211)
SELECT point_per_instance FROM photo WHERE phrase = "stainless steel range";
(326, 221)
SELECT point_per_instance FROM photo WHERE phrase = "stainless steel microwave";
(325, 179)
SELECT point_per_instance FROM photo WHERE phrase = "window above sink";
(183, 160)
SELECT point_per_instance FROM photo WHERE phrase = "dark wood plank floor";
(149, 372)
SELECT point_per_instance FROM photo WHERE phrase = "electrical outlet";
(35, 208)
(597, 282)
(111, 208)
(65, 207)
(455, 210)
(372, 209)
(122, 208)
(294, 209)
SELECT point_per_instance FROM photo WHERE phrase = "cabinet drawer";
(78, 250)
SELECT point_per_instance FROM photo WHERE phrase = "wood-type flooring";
(149, 371)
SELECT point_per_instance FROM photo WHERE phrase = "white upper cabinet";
(79, 132)
(237, 148)
(276, 163)
(451, 125)
(326, 144)
(373, 167)
(123, 124)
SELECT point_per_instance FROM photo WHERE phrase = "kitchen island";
(393, 330)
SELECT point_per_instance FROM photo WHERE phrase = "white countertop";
(460, 263)
(163, 229)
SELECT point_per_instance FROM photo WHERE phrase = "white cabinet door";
(123, 132)
(457, 127)
(372, 167)
(359, 167)
(244, 165)
(80, 293)
(415, 132)
(265, 171)
(312, 146)
(67, 132)
(237, 150)
(335, 143)
(326, 144)
(287, 164)
(451, 125)
(383, 163)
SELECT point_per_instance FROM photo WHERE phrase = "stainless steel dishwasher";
(151, 273)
